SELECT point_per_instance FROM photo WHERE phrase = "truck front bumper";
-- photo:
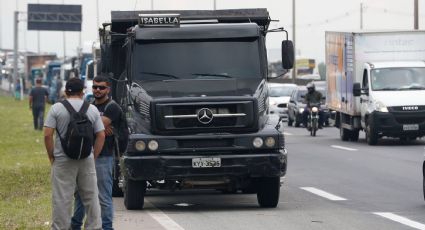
(399, 124)
(176, 167)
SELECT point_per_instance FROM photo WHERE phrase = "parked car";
(279, 95)
(296, 106)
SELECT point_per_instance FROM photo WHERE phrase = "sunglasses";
(101, 87)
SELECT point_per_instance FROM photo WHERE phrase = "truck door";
(364, 97)
(347, 78)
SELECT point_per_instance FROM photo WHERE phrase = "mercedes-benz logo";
(205, 116)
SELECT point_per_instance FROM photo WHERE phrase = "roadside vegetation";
(25, 192)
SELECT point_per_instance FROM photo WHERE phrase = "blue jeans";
(38, 117)
(104, 167)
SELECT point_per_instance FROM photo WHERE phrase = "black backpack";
(121, 133)
(79, 137)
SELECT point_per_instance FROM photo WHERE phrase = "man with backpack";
(112, 116)
(79, 139)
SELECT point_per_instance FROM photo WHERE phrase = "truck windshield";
(197, 59)
(406, 78)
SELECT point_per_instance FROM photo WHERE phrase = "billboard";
(54, 17)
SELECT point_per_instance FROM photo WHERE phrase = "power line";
(347, 14)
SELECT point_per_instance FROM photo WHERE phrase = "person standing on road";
(69, 175)
(111, 114)
(37, 101)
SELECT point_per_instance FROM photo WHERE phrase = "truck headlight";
(257, 142)
(301, 110)
(270, 141)
(379, 106)
(314, 110)
(153, 145)
(140, 145)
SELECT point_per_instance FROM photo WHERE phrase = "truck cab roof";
(389, 64)
(199, 31)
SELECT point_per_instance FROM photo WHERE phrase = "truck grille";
(205, 143)
(409, 117)
(410, 120)
(204, 116)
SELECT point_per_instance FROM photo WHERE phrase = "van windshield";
(407, 78)
(281, 91)
(196, 59)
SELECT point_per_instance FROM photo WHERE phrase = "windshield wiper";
(161, 74)
(416, 87)
(387, 88)
(212, 75)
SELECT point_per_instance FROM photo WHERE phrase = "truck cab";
(193, 85)
(392, 102)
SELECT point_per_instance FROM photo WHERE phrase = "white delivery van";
(376, 83)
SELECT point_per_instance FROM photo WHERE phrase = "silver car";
(279, 95)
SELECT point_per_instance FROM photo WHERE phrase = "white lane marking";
(289, 134)
(401, 220)
(323, 193)
(344, 148)
(163, 219)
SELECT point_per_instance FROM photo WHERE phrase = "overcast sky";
(313, 17)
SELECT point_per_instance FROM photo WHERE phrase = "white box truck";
(376, 83)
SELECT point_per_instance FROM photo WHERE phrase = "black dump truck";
(193, 85)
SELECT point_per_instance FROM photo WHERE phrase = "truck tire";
(371, 134)
(423, 185)
(343, 133)
(268, 192)
(134, 194)
(354, 135)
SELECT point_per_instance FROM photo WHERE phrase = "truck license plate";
(410, 127)
(206, 162)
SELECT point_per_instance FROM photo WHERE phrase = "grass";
(25, 190)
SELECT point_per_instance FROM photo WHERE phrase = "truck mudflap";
(399, 125)
(175, 167)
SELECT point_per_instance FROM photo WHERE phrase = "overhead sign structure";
(54, 17)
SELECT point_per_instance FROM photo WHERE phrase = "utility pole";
(38, 37)
(64, 39)
(15, 53)
(361, 16)
(215, 5)
(294, 69)
(416, 15)
(151, 4)
(1, 32)
(97, 14)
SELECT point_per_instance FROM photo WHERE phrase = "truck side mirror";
(287, 54)
(357, 89)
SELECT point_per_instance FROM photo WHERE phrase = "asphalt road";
(329, 184)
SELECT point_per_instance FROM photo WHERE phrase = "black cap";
(74, 85)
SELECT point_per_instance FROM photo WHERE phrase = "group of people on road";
(83, 187)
